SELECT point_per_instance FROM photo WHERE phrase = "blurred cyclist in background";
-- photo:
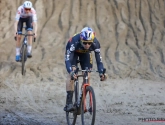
(25, 13)
(80, 46)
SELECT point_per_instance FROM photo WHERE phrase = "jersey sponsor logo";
(72, 48)
(97, 50)
(82, 51)
(91, 60)
(67, 55)
(68, 52)
(21, 10)
(100, 58)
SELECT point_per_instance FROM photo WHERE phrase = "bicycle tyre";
(73, 113)
(23, 58)
(92, 107)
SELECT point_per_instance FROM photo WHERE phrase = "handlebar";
(24, 34)
(86, 71)
(27, 34)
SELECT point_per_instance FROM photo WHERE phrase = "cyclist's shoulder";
(20, 8)
(74, 38)
(33, 11)
(73, 42)
(96, 43)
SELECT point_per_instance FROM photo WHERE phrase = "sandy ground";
(119, 102)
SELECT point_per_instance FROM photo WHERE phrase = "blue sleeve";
(69, 53)
(100, 66)
(98, 57)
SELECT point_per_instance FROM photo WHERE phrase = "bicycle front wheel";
(23, 58)
(88, 107)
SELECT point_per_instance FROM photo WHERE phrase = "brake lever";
(15, 38)
(34, 39)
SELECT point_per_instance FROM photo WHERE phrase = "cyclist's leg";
(70, 87)
(29, 29)
(86, 61)
(18, 41)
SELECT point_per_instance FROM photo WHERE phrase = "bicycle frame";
(24, 42)
(83, 87)
(23, 50)
(85, 102)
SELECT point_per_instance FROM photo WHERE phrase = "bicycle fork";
(24, 45)
(79, 101)
(84, 98)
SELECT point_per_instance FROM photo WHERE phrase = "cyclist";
(26, 13)
(80, 46)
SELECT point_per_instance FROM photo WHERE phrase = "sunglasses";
(85, 43)
(27, 9)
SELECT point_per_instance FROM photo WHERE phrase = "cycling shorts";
(85, 60)
(28, 22)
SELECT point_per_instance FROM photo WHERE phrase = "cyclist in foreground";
(81, 45)
(25, 13)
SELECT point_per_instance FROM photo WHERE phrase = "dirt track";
(118, 102)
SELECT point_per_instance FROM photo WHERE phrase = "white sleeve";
(18, 14)
(34, 15)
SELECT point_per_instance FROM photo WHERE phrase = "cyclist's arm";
(35, 27)
(100, 66)
(17, 17)
(34, 20)
(15, 27)
(69, 54)
(98, 57)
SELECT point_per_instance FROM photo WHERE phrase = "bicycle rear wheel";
(72, 116)
(23, 58)
(88, 108)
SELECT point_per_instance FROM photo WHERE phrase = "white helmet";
(27, 4)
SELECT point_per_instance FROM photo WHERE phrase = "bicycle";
(80, 102)
(23, 50)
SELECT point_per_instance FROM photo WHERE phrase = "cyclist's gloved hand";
(73, 75)
(35, 35)
(102, 75)
(15, 36)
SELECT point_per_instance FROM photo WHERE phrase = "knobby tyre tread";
(23, 58)
(90, 90)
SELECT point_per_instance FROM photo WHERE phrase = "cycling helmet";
(27, 4)
(87, 34)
